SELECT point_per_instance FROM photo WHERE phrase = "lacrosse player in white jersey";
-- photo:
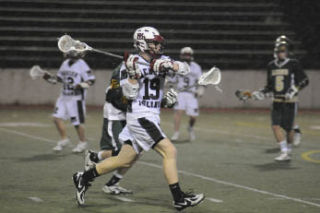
(144, 91)
(188, 93)
(76, 76)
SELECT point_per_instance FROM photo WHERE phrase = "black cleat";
(80, 186)
(189, 200)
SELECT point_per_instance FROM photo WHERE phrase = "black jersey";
(283, 75)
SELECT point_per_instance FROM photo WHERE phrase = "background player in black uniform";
(285, 78)
(297, 131)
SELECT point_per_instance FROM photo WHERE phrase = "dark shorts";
(110, 135)
(283, 114)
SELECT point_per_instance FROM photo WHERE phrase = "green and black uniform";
(281, 77)
(114, 113)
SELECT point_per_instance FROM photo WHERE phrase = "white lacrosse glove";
(83, 85)
(258, 95)
(200, 91)
(133, 69)
(130, 90)
(161, 65)
(292, 91)
(171, 98)
(184, 68)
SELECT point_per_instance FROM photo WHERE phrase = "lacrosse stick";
(212, 77)
(36, 72)
(66, 43)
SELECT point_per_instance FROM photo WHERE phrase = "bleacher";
(233, 34)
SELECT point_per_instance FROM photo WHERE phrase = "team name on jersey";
(150, 104)
(280, 72)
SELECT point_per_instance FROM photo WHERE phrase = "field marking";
(23, 124)
(235, 185)
(306, 156)
(191, 174)
(225, 132)
(36, 199)
(27, 135)
(124, 199)
(214, 200)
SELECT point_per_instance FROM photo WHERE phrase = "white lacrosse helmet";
(144, 35)
(186, 52)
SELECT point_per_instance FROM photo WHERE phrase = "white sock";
(296, 126)
(289, 146)
(283, 146)
(100, 155)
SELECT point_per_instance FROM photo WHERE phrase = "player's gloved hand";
(258, 95)
(184, 68)
(171, 98)
(82, 85)
(292, 91)
(161, 65)
(200, 91)
(133, 69)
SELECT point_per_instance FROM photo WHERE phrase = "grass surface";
(231, 162)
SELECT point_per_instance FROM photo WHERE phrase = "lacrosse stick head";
(212, 77)
(243, 95)
(66, 44)
(36, 72)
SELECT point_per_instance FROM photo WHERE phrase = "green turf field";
(231, 162)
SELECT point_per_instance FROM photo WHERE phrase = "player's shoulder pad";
(271, 62)
(294, 61)
(196, 64)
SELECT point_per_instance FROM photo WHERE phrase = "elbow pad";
(184, 68)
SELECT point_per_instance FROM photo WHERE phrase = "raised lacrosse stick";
(66, 43)
(212, 77)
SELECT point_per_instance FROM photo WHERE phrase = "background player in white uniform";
(76, 76)
(144, 89)
(187, 98)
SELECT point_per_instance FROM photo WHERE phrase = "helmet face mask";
(149, 40)
(281, 51)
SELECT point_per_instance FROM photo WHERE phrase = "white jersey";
(183, 82)
(150, 92)
(112, 113)
(72, 75)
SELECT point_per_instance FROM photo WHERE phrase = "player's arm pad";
(184, 68)
(130, 90)
(115, 97)
(302, 84)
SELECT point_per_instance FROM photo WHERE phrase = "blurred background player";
(280, 40)
(285, 78)
(114, 113)
(187, 97)
(76, 76)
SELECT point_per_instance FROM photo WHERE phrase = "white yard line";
(191, 174)
(36, 199)
(223, 132)
(214, 200)
(124, 199)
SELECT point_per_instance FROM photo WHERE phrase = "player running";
(76, 77)
(144, 90)
(285, 78)
(187, 98)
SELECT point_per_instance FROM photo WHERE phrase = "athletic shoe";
(88, 162)
(284, 156)
(175, 136)
(115, 190)
(192, 135)
(297, 139)
(61, 144)
(81, 146)
(80, 186)
(189, 200)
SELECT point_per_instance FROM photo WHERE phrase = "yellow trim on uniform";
(306, 156)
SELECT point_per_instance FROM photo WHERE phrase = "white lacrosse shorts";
(143, 132)
(187, 102)
(70, 108)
